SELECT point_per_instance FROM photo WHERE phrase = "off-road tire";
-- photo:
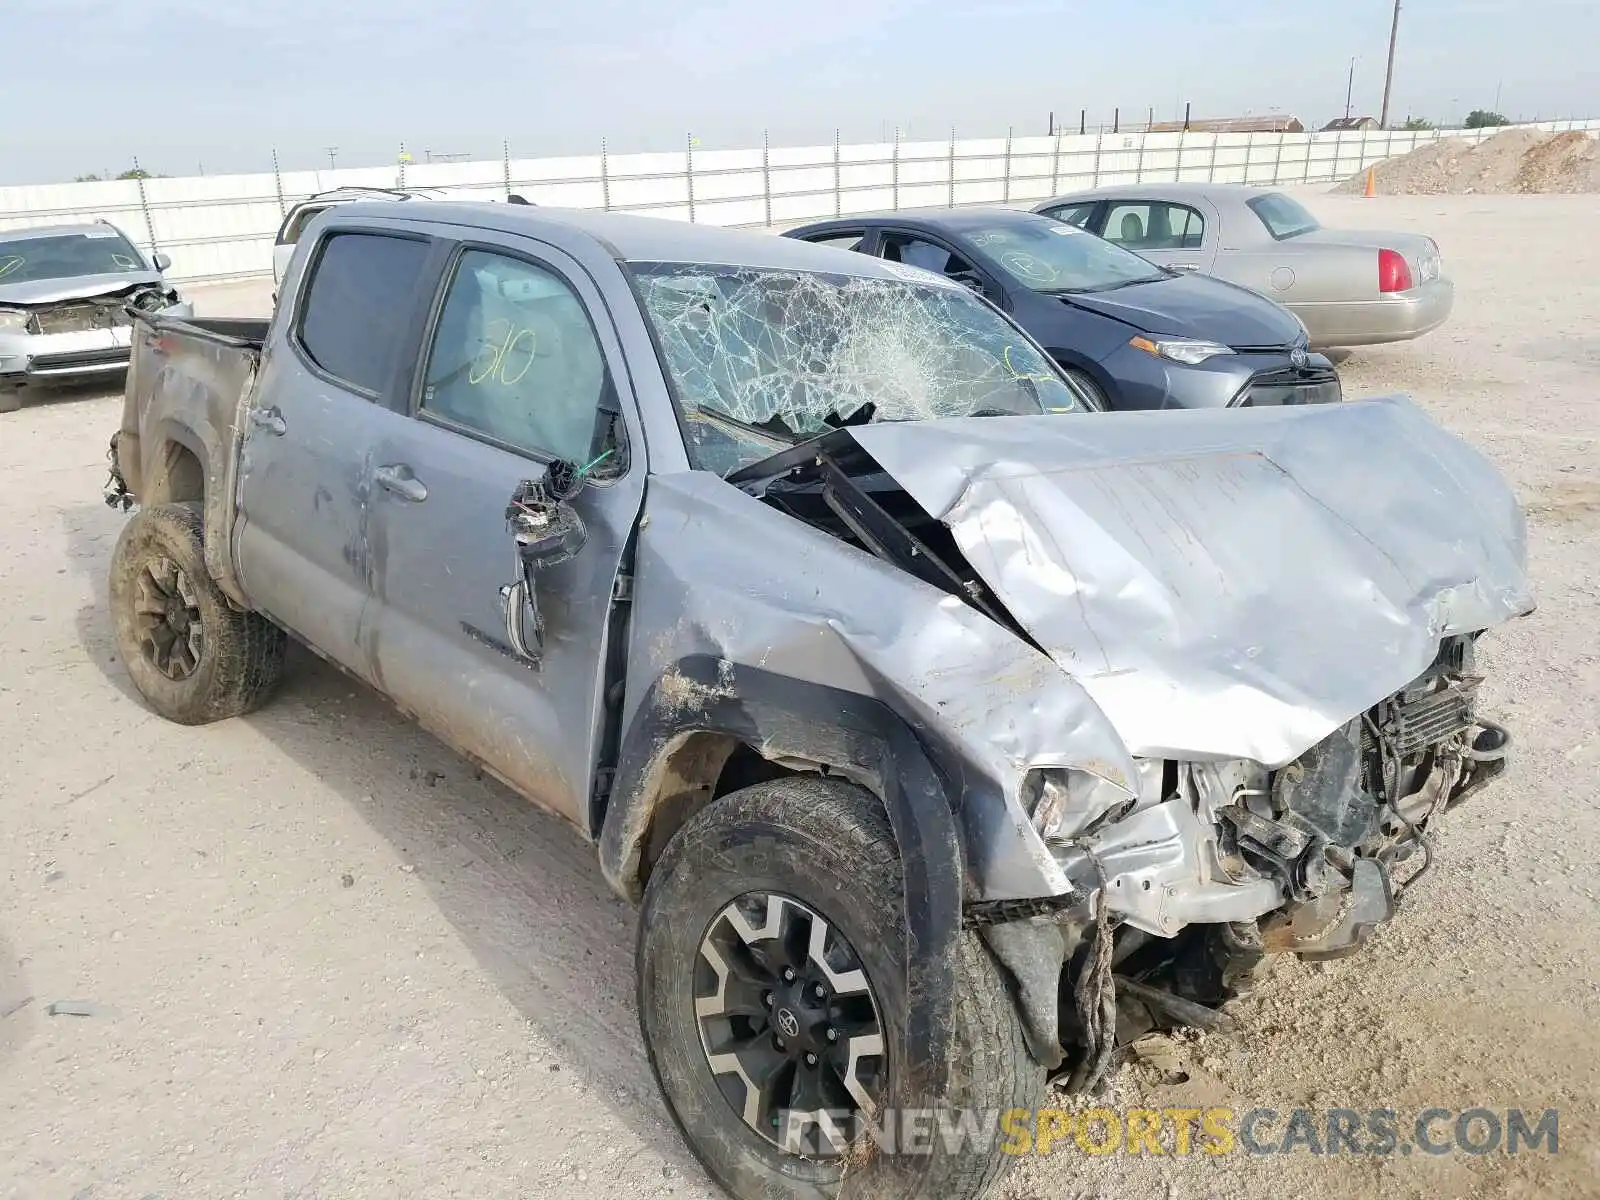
(242, 654)
(828, 844)
(10, 399)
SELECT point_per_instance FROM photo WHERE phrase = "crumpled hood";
(77, 287)
(1226, 584)
(1196, 306)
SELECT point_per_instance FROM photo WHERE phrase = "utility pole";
(332, 150)
(1388, 75)
(1349, 88)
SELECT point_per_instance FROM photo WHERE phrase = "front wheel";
(1086, 382)
(772, 997)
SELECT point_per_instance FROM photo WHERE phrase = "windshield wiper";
(760, 431)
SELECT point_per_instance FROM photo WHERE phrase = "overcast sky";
(186, 84)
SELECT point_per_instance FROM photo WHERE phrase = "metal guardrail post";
(277, 183)
(1098, 139)
(1249, 145)
(766, 175)
(1005, 189)
(1138, 170)
(605, 178)
(952, 166)
(1362, 165)
(1277, 163)
(1055, 163)
(144, 207)
(688, 172)
(1177, 171)
(894, 171)
(400, 175)
(1211, 164)
(838, 186)
(505, 164)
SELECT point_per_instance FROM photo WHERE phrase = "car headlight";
(1185, 350)
(1064, 802)
(11, 318)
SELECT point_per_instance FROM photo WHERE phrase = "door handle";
(269, 419)
(1185, 266)
(397, 478)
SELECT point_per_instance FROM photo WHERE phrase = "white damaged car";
(66, 292)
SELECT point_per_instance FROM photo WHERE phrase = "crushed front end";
(78, 338)
(1217, 864)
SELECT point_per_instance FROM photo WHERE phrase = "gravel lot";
(322, 959)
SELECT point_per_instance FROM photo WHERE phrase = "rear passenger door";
(304, 542)
(521, 368)
(1180, 236)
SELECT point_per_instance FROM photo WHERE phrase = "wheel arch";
(705, 717)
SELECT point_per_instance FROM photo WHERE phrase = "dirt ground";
(320, 958)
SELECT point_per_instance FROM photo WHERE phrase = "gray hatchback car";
(65, 295)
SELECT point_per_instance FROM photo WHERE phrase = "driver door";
(520, 369)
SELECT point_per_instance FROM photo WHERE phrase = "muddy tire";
(824, 849)
(194, 658)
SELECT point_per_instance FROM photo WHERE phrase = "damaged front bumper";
(70, 342)
(1217, 863)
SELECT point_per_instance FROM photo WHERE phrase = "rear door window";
(1154, 225)
(1074, 214)
(295, 226)
(353, 313)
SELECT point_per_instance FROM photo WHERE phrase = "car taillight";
(1394, 273)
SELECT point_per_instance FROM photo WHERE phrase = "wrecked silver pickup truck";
(948, 734)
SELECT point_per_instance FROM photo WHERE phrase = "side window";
(1074, 214)
(515, 359)
(849, 240)
(349, 322)
(289, 235)
(1155, 225)
(915, 252)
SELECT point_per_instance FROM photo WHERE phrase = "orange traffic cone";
(1372, 182)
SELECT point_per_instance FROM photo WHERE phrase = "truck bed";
(189, 383)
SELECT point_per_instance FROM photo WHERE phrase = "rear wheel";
(772, 996)
(192, 655)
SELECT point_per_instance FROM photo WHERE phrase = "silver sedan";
(1349, 287)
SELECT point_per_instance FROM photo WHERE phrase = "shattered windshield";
(65, 256)
(763, 358)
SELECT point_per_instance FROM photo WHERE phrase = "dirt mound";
(1518, 160)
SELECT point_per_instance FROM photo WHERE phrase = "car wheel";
(192, 655)
(10, 398)
(1086, 382)
(772, 996)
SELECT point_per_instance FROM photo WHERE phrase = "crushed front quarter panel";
(719, 573)
(1226, 585)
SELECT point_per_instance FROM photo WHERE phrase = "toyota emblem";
(788, 1023)
(1298, 359)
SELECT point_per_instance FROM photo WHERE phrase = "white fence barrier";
(222, 226)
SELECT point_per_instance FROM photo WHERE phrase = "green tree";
(1417, 123)
(1482, 118)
